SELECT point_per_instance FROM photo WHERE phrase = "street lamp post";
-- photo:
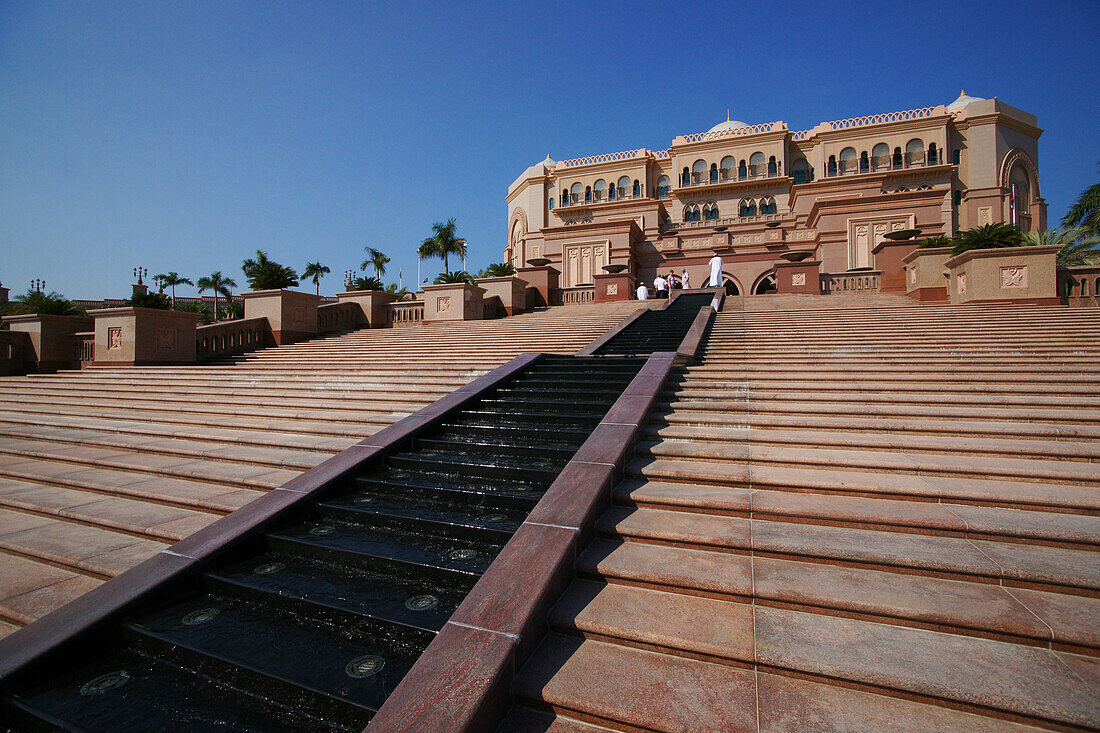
(139, 272)
(37, 285)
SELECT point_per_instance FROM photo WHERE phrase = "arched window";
(747, 207)
(773, 169)
(957, 198)
(742, 171)
(623, 184)
(564, 197)
(729, 168)
(575, 192)
(551, 203)
(1019, 191)
(663, 187)
(637, 191)
(830, 168)
(714, 173)
(599, 188)
(914, 152)
(588, 194)
(685, 178)
(710, 211)
(801, 171)
(691, 213)
(847, 160)
(956, 156)
(767, 205)
(765, 285)
(757, 168)
(897, 157)
(933, 154)
(880, 157)
(699, 171)
(864, 162)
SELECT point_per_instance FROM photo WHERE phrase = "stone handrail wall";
(801, 134)
(230, 337)
(747, 130)
(909, 114)
(606, 158)
(661, 154)
(406, 313)
(337, 316)
(1080, 286)
(574, 296)
(869, 281)
(16, 353)
(83, 348)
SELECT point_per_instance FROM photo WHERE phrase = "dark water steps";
(513, 436)
(465, 520)
(345, 595)
(508, 492)
(501, 467)
(490, 447)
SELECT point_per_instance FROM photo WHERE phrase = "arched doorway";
(731, 287)
(765, 285)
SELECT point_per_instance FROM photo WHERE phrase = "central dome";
(728, 125)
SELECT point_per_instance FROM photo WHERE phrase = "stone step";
(1037, 566)
(70, 458)
(1065, 450)
(848, 423)
(1031, 495)
(639, 689)
(1079, 473)
(843, 393)
(12, 436)
(954, 606)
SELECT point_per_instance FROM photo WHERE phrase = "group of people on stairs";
(663, 285)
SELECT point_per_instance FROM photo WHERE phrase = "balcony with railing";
(577, 295)
(882, 163)
(610, 195)
(721, 176)
(859, 281)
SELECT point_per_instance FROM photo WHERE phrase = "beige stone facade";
(752, 192)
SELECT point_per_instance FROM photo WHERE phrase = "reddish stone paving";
(101, 469)
(847, 519)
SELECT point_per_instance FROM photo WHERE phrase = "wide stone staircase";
(852, 518)
(103, 468)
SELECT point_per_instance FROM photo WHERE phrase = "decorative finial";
(728, 114)
(962, 93)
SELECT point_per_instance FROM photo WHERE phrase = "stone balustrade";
(84, 348)
(337, 316)
(862, 281)
(1079, 286)
(574, 296)
(406, 313)
(227, 338)
(16, 353)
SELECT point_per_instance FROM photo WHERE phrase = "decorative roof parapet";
(736, 132)
(607, 158)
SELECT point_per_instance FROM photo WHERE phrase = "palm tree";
(454, 277)
(367, 283)
(171, 280)
(1078, 246)
(988, 236)
(1086, 212)
(316, 271)
(218, 284)
(54, 304)
(498, 269)
(442, 244)
(267, 274)
(940, 240)
(376, 259)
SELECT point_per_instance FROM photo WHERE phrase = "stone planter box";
(800, 278)
(373, 305)
(511, 290)
(613, 286)
(889, 260)
(541, 281)
(51, 337)
(924, 278)
(291, 315)
(141, 336)
(1016, 274)
(453, 302)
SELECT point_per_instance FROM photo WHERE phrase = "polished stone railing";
(406, 313)
(84, 348)
(862, 281)
(574, 296)
(337, 316)
(229, 337)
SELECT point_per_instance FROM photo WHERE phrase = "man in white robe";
(715, 271)
(643, 292)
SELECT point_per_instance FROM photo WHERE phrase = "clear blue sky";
(186, 135)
